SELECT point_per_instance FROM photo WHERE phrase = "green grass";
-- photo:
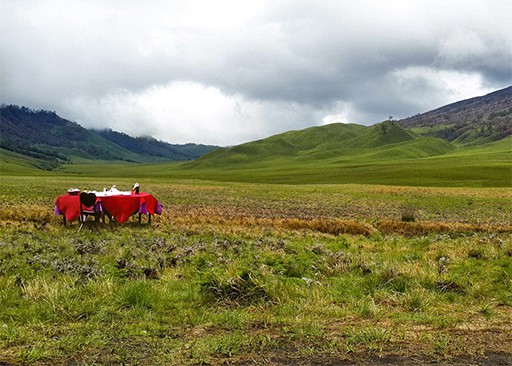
(13, 163)
(239, 271)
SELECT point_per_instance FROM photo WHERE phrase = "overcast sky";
(227, 72)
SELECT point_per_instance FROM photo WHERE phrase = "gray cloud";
(226, 72)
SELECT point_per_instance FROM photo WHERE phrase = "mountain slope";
(471, 121)
(152, 147)
(51, 139)
(45, 135)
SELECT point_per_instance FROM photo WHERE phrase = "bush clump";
(408, 214)
(243, 290)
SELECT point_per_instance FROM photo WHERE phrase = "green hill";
(336, 141)
(288, 144)
(384, 133)
(12, 163)
(381, 154)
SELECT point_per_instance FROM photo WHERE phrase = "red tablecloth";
(69, 206)
(121, 207)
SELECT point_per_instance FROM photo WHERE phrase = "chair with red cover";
(88, 208)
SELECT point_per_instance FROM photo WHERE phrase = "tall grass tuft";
(373, 338)
(367, 308)
(34, 353)
(390, 278)
(138, 294)
(416, 301)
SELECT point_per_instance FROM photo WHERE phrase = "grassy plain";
(251, 273)
(486, 165)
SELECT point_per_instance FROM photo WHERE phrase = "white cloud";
(179, 110)
(225, 72)
(448, 85)
(340, 112)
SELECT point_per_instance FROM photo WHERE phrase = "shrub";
(408, 214)
(243, 290)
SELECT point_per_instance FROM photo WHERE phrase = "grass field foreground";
(252, 273)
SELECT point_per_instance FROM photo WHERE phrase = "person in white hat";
(135, 188)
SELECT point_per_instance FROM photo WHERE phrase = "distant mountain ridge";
(46, 136)
(152, 147)
(475, 120)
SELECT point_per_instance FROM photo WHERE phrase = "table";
(120, 207)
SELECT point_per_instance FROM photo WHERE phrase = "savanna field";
(244, 273)
(331, 183)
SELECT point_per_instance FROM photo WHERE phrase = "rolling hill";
(49, 140)
(474, 121)
(468, 142)
(333, 142)
(370, 157)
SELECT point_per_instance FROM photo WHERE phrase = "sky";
(225, 72)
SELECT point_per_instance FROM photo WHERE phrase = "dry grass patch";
(422, 228)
